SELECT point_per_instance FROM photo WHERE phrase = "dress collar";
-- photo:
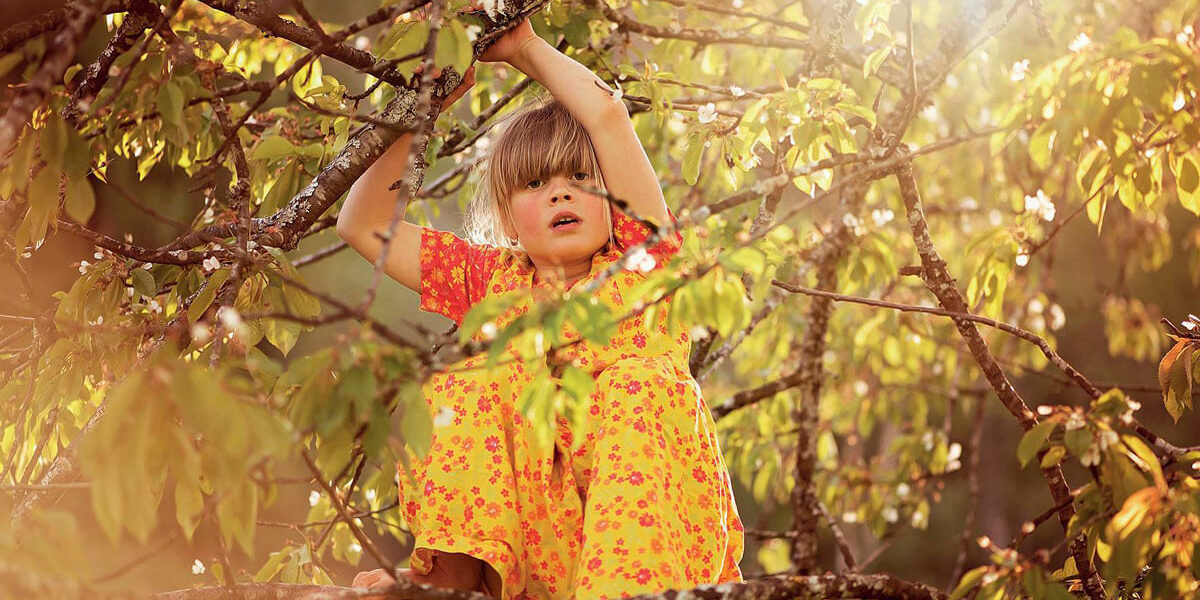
(600, 261)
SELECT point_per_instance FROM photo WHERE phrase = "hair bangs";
(539, 142)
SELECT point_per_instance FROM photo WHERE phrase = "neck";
(567, 274)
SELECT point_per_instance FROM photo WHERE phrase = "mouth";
(564, 221)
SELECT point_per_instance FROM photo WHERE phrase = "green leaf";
(1179, 397)
(143, 282)
(416, 424)
(206, 296)
(43, 207)
(1053, 456)
(1033, 440)
(189, 503)
(1040, 144)
(968, 582)
(81, 200)
(875, 60)
(691, 159)
(274, 147)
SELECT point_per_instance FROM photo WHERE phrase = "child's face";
(535, 208)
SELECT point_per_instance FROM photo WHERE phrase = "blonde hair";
(536, 141)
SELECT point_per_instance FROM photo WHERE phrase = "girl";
(637, 498)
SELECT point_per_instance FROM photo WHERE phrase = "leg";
(656, 516)
(462, 503)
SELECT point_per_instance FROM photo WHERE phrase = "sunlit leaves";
(1176, 372)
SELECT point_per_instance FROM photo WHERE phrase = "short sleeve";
(454, 273)
(630, 232)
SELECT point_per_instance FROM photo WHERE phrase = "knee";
(632, 386)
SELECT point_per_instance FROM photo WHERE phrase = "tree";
(870, 196)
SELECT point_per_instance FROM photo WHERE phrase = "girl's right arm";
(367, 212)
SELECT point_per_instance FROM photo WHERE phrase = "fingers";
(368, 579)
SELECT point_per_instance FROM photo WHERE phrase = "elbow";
(611, 113)
(345, 228)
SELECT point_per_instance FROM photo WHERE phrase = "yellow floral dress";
(636, 499)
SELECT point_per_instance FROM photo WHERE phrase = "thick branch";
(79, 18)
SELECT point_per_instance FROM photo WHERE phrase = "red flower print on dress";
(523, 511)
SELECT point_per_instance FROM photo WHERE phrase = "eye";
(534, 184)
(580, 176)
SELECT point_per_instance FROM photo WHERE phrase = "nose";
(562, 190)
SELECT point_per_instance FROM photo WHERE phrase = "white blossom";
(618, 93)
(861, 388)
(489, 330)
(699, 332)
(369, 495)
(231, 318)
(493, 8)
(98, 255)
(902, 490)
(1045, 409)
(955, 452)
(1080, 42)
(201, 332)
(640, 260)
(154, 306)
(355, 548)
(995, 218)
(197, 567)
(890, 514)
(1022, 257)
(1183, 36)
(1036, 307)
(1180, 101)
(314, 497)
(882, 216)
(361, 42)
(1019, 70)
(1057, 317)
(1041, 205)
(927, 440)
(1107, 438)
(850, 517)
(83, 266)
(918, 520)
(737, 91)
(707, 113)
(1074, 421)
(211, 264)
(1091, 457)
(444, 417)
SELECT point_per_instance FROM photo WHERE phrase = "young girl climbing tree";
(633, 496)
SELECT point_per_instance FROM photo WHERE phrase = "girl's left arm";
(627, 171)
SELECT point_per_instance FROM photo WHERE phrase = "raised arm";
(627, 172)
(369, 206)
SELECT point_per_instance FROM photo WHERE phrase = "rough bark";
(938, 280)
